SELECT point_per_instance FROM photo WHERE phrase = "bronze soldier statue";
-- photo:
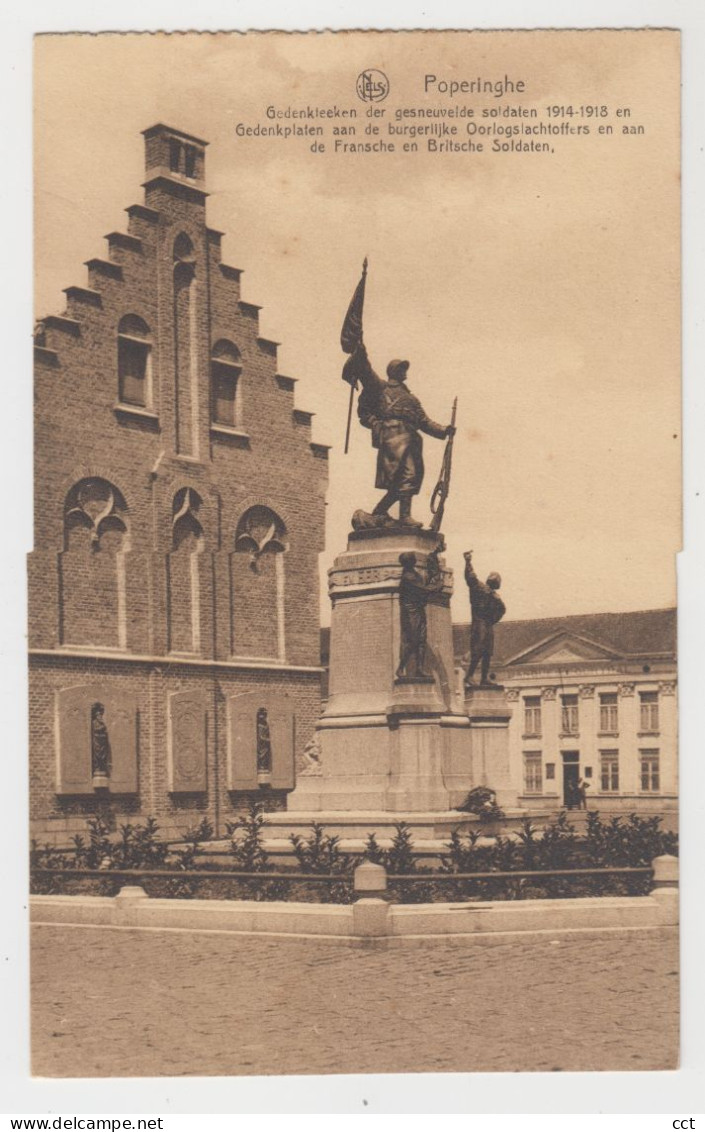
(414, 593)
(396, 419)
(487, 609)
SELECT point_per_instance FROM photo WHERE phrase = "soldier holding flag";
(392, 413)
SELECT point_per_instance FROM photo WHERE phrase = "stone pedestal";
(416, 780)
(489, 713)
(386, 744)
(394, 749)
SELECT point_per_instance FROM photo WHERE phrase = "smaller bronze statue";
(264, 743)
(434, 573)
(415, 590)
(487, 609)
(100, 747)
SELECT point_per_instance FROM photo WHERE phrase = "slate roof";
(647, 632)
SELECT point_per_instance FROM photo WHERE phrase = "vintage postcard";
(352, 607)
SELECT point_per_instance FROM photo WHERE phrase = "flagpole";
(350, 409)
(353, 386)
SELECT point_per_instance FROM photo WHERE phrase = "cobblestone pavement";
(152, 1003)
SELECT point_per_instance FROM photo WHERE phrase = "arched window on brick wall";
(183, 158)
(226, 389)
(186, 346)
(92, 565)
(134, 361)
(257, 585)
(184, 579)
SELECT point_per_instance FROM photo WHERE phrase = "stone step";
(122, 242)
(143, 221)
(99, 269)
(78, 299)
(432, 829)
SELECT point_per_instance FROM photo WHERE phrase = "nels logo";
(372, 86)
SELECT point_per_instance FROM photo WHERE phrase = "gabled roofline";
(582, 616)
(564, 635)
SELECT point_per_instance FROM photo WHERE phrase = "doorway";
(571, 777)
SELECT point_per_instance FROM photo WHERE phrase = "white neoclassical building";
(593, 699)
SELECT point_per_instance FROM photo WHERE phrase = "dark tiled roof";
(649, 631)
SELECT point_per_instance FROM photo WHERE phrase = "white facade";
(630, 766)
(593, 699)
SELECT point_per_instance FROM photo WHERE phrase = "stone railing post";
(126, 903)
(665, 889)
(370, 910)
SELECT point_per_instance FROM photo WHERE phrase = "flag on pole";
(351, 334)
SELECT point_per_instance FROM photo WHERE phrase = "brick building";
(179, 514)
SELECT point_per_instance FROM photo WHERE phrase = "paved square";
(153, 1003)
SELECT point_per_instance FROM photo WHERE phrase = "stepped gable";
(179, 513)
(127, 277)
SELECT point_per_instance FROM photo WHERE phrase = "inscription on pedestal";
(367, 575)
(361, 658)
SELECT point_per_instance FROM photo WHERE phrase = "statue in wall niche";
(100, 744)
(415, 590)
(309, 764)
(264, 743)
(487, 608)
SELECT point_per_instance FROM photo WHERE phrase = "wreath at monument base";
(482, 800)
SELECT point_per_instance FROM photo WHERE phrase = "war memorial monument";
(398, 740)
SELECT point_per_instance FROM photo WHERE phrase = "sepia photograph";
(353, 671)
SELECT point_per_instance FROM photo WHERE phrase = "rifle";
(442, 488)
(350, 409)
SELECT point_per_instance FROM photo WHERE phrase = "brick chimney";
(176, 157)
